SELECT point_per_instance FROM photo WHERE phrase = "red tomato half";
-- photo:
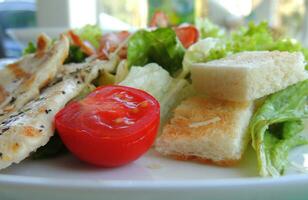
(112, 126)
(188, 35)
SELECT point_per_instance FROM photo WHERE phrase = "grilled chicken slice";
(20, 82)
(31, 127)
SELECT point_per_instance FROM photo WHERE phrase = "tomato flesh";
(159, 19)
(188, 35)
(112, 126)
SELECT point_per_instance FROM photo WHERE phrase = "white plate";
(150, 177)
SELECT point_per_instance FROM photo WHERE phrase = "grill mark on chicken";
(31, 132)
(18, 72)
(3, 94)
(42, 45)
(24, 79)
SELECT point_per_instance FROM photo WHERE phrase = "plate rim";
(69, 183)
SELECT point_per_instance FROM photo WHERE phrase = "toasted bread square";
(249, 75)
(207, 129)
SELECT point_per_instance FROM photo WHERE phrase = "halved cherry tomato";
(159, 19)
(188, 35)
(112, 126)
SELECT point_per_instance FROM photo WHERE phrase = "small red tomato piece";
(159, 19)
(112, 126)
(188, 35)
(110, 42)
(85, 47)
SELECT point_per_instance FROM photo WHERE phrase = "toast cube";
(249, 75)
(207, 130)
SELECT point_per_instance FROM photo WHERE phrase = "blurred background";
(22, 20)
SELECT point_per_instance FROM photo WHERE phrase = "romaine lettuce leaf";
(275, 126)
(288, 138)
(156, 81)
(122, 71)
(150, 78)
(160, 46)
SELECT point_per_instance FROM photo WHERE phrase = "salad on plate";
(190, 92)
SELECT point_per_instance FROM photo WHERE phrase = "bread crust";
(222, 163)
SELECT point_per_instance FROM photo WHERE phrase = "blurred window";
(15, 14)
(122, 14)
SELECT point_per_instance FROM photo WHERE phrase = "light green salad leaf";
(31, 48)
(153, 79)
(150, 78)
(160, 46)
(209, 29)
(276, 125)
(251, 38)
(90, 33)
(200, 52)
(254, 37)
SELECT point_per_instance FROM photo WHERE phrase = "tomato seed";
(118, 120)
(135, 110)
(143, 104)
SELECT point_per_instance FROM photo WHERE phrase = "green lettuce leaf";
(251, 38)
(276, 125)
(153, 79)
(31, 48)
(90, 33)
(75, 55)
(160, 46)
(202, 51)
(288, 138)
(209, 29)
(150, 78)
(254, 37)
